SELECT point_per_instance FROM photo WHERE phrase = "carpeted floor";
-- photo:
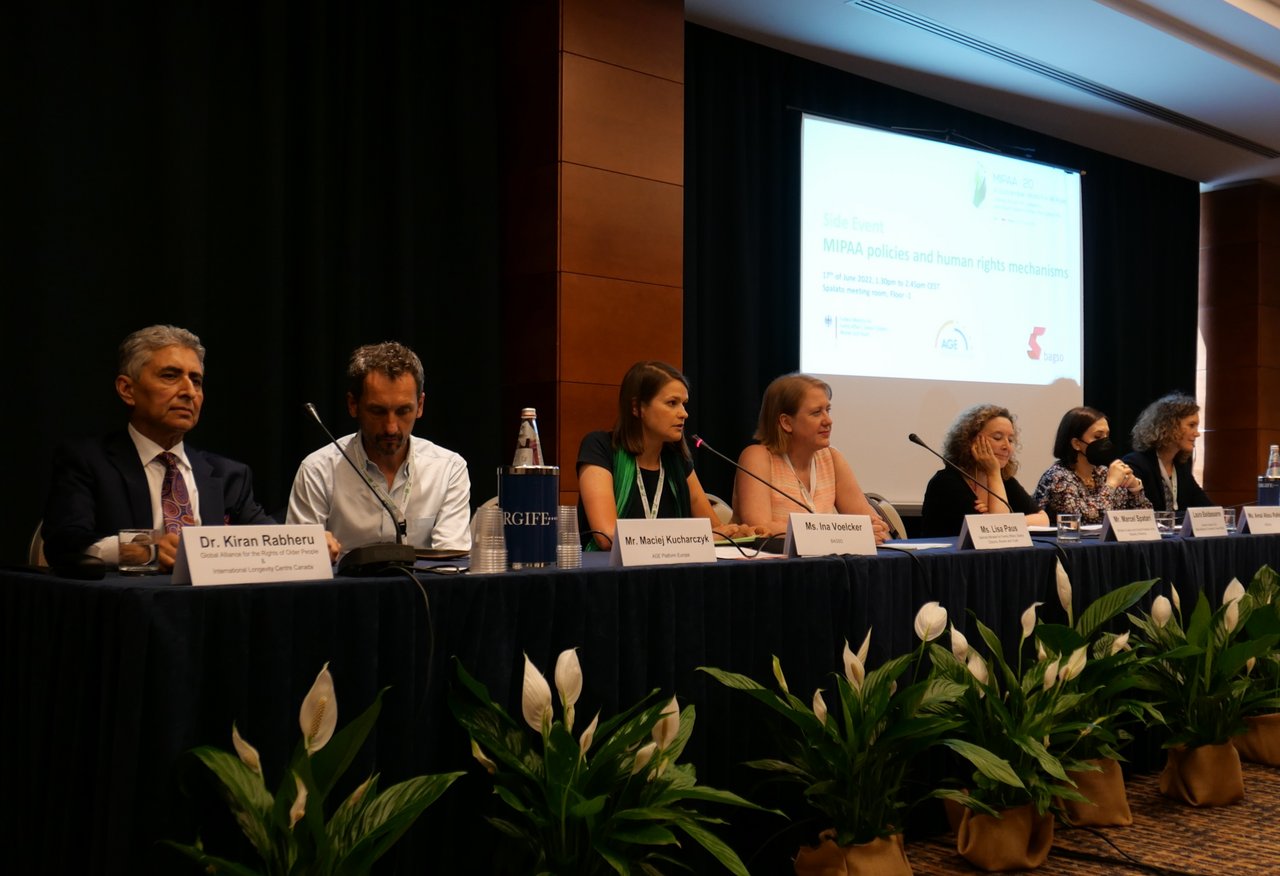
(1165, 838)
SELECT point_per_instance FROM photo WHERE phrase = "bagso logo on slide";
(1033, 345)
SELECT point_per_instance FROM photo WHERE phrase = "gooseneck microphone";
(915, 439)
(370, 559)
(698, 443)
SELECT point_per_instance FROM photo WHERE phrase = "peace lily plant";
(851, 756)
(288, 830)
(612, 800)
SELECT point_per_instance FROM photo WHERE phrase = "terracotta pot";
(880, 857)
(1108, 804)
(1207, 775)
(1018, 840)
(1261, 742)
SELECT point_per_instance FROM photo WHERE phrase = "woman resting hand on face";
(642, 468)
(1088, 478)
(982, 441)
(796, 456)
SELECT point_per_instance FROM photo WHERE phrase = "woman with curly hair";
(1163, 438)
(983, 442)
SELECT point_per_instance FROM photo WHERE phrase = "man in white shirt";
(425, 483)
(147, 477)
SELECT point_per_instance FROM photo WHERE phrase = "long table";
(106, 684)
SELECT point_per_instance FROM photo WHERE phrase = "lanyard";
(651, 513)
(1170, 484)
(813, 478)
(379, 483)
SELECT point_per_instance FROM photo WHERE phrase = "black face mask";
(1101, 452)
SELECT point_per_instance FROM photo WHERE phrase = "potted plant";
(288, 830)
(612, 800)
(851, 757)
(1106, 707)
(1260, 742)
(1013, 710)
(1195, 678)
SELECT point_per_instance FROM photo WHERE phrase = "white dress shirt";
(432, 489)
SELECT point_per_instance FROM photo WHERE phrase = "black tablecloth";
(106, 684)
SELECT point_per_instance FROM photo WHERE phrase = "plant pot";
(884, 856)
(1108, 804)
(1207, 775)
(1019, 839)
(1261, 742)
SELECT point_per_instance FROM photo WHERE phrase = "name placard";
(1204, 522)
(252, 554)
(817, 535)
(984, 532)
(1136, 525)
(1260, 519)
(663, 542)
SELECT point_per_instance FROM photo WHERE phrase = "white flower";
(568, 682)
(1234, 592)
(959, 644)
(778, 676)
(1177, 601)
(931, 620)
(854, 670)
(1029, 620)
(643, 756)
(819, 707)
(1232, 616)
(318, 716)
(668, 725)
(1161, 610)
(864, 648)
(485, 761)
(1249, 664)
(1075, 664)
(299, 807)
(977, 667)
(1120, 643)
(1041, 653)
(588, 736)
(247, 753)
(1064, 588)
(1050, 674)
(535, 701)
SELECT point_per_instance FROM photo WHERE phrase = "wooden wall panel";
(608, 325)
(643, 35)
(612, 225)
(618, 119)
(584, 407)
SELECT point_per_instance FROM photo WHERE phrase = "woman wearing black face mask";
(1088, 478)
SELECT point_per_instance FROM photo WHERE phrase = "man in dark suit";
(146, 476)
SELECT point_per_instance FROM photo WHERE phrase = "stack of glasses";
(488, 543)
(568, 541)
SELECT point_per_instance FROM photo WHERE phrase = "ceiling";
(1191, 87)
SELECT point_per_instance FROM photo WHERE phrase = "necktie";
(175, 501)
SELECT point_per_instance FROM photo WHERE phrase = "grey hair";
(137, 349)
(389, 358)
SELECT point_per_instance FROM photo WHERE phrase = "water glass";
(489, 543)
(1165, 522)
(568, 540)
(1068, 527)
(138, 554)
(1229, 517)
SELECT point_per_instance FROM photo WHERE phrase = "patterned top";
(822, 492)
(1061, 491)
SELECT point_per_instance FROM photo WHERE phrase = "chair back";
(889, 513)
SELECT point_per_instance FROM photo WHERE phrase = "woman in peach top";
(795, 455)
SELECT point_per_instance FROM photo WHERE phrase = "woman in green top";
(642, 468)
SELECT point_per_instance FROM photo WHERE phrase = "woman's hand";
(1118, 474)
(984, 455)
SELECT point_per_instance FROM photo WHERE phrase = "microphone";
(370, 559)
(915, 439)
(699, 443)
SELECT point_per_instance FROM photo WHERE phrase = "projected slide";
(927, 261)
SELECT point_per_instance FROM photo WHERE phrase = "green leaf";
(991, 766)
(210, 861)
(1111, 604)
(385, 819)
(643, 834)
(245, 794)
(715, 846)
(329, 763)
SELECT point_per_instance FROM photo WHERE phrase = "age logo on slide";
(951, 338)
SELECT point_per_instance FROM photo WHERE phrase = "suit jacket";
(99, 488)
(1147, 467)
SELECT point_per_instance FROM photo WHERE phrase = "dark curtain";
(742, 105)
(288, 180)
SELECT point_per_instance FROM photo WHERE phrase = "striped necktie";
(175, 501)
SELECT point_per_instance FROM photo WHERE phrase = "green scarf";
(624, 475)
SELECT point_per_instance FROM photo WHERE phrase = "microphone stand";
(698, 443)
(371, 559)
(915, 439)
